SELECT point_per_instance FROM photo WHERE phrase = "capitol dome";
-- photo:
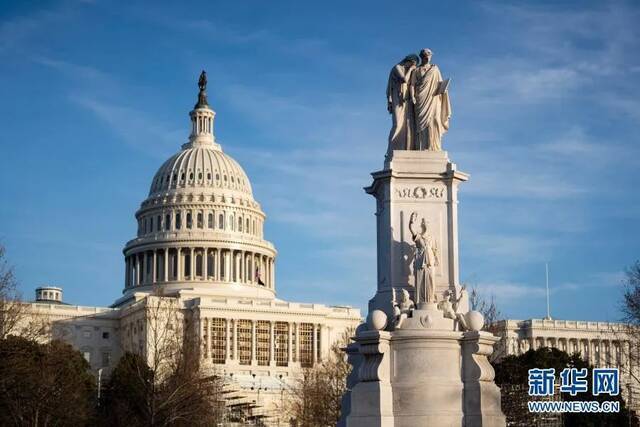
(200, 227)
(200, 167)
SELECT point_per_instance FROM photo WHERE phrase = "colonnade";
(199, 263)
(261, 342)
(600, 352)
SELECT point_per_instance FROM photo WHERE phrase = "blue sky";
(94, 95)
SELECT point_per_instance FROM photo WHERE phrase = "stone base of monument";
(424, 374)
(418, 363)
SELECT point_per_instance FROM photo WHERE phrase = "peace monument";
(420, 359)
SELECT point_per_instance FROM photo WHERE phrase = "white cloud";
(135, 127)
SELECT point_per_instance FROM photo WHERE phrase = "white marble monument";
(420, 359)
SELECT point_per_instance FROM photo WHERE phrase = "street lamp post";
(99, 384)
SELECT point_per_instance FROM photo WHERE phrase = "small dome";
(198, 167)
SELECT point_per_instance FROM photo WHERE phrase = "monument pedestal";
(420, 363)
(424, 182)
(425, 374)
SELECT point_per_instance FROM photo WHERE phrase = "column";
(253, 343)
(143, 268)
(178, 264)
(134, 265)
(166, 265)
(207, 352)
(193, 263)
(205, 263)
(238, 269)
(226, 339)
(215, 254)
(263, 269)
(315, 345)
(289, 349)
(126, 272)
(154, 271)
(235, 340)
(241, 272)
(272, 343)
(272, 274)
(297, 342)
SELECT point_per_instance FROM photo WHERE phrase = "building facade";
(200, 251)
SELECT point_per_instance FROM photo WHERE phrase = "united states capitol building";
(200, 243)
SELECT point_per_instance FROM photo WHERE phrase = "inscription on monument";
(420, 192)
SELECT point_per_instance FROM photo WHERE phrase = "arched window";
(178, 220)
(240, 224)
(200, 176)
(167, 221)
(159, 223)
(189, 220)
(150, 224)
(221, 221)
(247, 227)
(191, 176)
(210, 221)
(208, 176)
(200, 220)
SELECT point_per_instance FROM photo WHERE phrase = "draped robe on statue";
(424, 263)
(432, 110)
(402, 129)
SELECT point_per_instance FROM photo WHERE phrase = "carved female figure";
(399, 104)
(425, 261)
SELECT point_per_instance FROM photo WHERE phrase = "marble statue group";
(422, 357)
(418, 101)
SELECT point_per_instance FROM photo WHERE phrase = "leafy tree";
(44, 384)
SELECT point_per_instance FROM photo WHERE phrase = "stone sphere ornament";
(475, 320)
(377, 320)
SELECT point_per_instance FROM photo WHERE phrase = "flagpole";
(546, 271)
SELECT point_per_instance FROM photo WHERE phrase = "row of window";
(155, 223)
(172, 180)
(301, 342)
